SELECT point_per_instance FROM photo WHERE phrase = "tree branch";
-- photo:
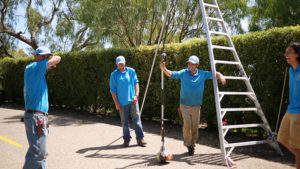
(126, 30)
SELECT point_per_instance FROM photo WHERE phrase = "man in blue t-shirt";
(124, 88)
(191, 93)
(36, 107)
(289, 134)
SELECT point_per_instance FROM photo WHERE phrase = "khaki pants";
(289, 134)
(191, 118)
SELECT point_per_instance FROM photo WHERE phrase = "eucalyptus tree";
(131, 23)
(274, 13)
(38, 15)
(89, 24)
(73, 29)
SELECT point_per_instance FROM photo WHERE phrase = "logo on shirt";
(298, 77)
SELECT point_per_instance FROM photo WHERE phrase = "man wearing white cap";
(191, 93)
(124, 87)
(36, 107)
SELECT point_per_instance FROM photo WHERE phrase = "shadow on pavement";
(13, 119)
(150, 160)
(111, 147)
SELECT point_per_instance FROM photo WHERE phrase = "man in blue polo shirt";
(289, 134)
(36, 107)
(124, 87)
(191, 93)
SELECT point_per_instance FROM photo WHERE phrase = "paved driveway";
(90, 142)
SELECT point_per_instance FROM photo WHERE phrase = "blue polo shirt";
(192, 86)
(294, 85)
(35, 86)
(123, 84)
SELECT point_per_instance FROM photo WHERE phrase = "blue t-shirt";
(192, 86)
(35, 86)
(123, 84)
(294, 85)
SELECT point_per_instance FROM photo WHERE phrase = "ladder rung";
(210, 5)
(247, 143)
(218, 33)
(236, 93)
(215, 19)
(227, 62)
(243, 126)
(222, 47)
(240, 109)
(235, 77)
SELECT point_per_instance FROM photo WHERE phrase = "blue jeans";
(37, 151)
(136, 119)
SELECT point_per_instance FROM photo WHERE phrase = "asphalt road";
(79, 141)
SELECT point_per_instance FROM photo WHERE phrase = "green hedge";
(81, 80)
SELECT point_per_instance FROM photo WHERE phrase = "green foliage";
(35, 18)
(82, 78)
(274, 13)
(133, 23)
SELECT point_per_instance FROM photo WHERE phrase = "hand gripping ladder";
(227, 148)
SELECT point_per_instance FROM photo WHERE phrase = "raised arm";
(53, 61)
(167, 72)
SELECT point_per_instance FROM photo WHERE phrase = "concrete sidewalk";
(89, 142)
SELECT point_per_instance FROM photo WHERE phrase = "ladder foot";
(230, 163)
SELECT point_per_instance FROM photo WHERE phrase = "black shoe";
(141, 143)
(191, 150)
(126, 143)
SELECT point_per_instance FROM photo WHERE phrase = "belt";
(36, 112)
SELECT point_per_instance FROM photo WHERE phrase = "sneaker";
(126, 143)
(141, 143)
(191, 150)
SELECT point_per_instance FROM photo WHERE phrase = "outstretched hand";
(162, 65)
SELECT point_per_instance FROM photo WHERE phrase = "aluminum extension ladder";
(226, 147)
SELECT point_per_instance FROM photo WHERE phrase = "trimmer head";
(164, 156)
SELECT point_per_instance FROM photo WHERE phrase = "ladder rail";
(215, 82)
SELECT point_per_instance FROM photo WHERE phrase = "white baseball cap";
(193, 59)
(43, 51)
(120, 59)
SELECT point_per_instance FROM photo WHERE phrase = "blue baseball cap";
(120, 59)
(43, 51)
(193, 59)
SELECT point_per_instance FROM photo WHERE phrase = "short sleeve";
(208, 74)
(113, 83)
(177, 74)
(135, 79)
